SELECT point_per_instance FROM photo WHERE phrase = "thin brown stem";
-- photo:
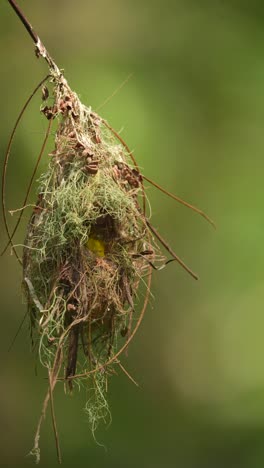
(29, 186)
(6, 160)
(168, 248)
(40, 48)
(24, 20)
(53, 417)
(180, 200)
(127, 373)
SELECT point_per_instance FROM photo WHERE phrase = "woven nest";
(87, 248)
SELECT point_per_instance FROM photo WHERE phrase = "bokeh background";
(193, 112)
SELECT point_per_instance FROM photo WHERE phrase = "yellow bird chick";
(96, 246)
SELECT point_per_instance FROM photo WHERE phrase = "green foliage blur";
(193, 112)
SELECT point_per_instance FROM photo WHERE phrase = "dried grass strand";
(114, 92)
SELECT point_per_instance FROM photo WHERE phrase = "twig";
(24, 20)
(40, 48)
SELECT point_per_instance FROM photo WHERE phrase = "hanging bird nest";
(87, 249)
(89, 246)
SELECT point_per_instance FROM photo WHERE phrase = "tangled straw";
(89, 246)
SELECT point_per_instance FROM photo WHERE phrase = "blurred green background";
(193, 112)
